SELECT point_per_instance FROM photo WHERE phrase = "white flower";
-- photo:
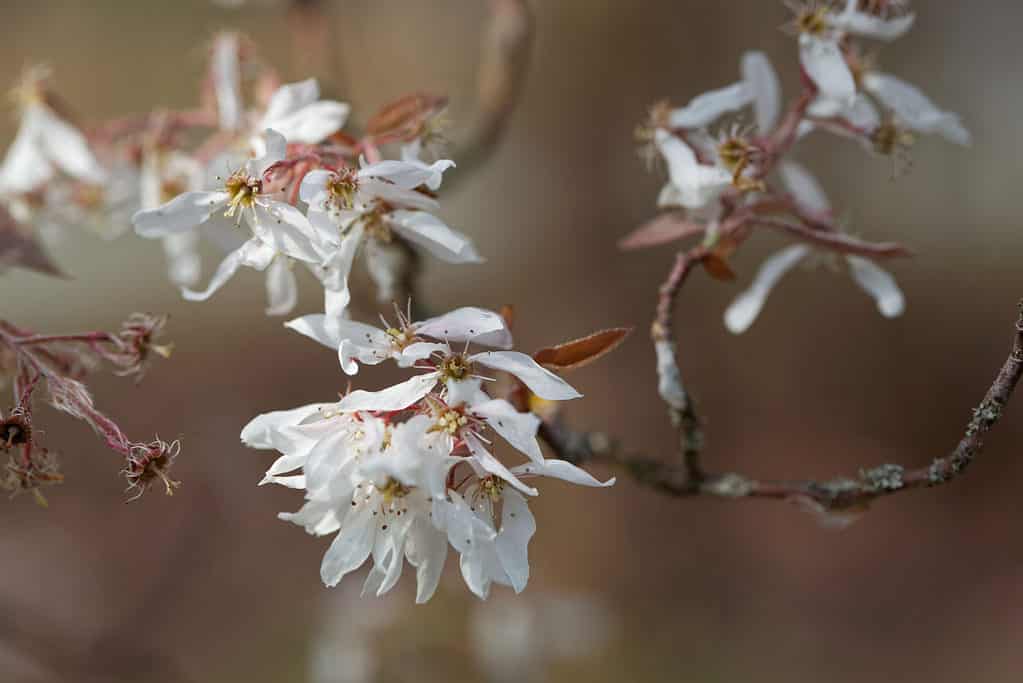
(691, 184)
(44, 144)
(821, 32)
(279, 230)
(879, 284)
(759, 86)
(225, 72)
(913, 109)
(166, 173)
(361, 343)
(296, 112)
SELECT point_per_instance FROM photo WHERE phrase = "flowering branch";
(60, 362)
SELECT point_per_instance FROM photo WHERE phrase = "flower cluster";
(725, 178)
(402, 473)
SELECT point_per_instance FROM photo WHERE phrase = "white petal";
(257, 433)
(706, 108)
(371, 189)
(518, 429)
(746, 307)
(362, 343)
(184, 265)
(915, 109)
(418, 351)
(316, 327)
(351, 547)
(879, 284)
(517, 528)
(561, 469)
(826, 66)
(182, 213)
(465, 391)
(407, 175)
(253, 254)
(314, 184)
(804, 187)
(281, 287)
(25, 167)
(763, 85)
(870, 26)
(337, 270)
(226, 81)
(288, 99)
(68, 149)
(540, 381)
(270, 148)
(313, 123)
(494, 466)
(468, 324)
(426, 550)
(397, 397)
(695, 184)
(285, 228)
(430, 233)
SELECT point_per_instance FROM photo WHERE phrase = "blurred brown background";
(210, 586)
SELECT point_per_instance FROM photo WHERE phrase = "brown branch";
(834, 241)
(684, 476)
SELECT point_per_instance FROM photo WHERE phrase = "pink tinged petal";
(540, 381)
(432, 235)
(518, 429)
(916, 110)
(180, 214)
(426, 550)
(765, 90)
(314, 185)
(226, 81)
(695, 184)
(68, 149)
(313, 123)
(25, 167)
(351, 547)
(706, 108)
(316, 327)
(494, 466)
(281, 288)
(871, 26)
(253, 254)
(512, 544)
(746, 307)
(285, 228)
(804, 187)
(405, 174)
(879, 284)
(397, 397)
(288, 99)
(824, 63)
(468, 324)
(561, 469)
(257, 433)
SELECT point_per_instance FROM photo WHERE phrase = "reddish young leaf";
(508, 315)
(580, 352)
(667, 227)
(717, 267)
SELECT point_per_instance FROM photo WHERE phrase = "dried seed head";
(29, 471)
(149, 463)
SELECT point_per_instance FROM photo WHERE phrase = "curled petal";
(397, 397)
(915, 109)
(429, 232)
(871, 26)
(258, 433)
(540, 381)
(746, 307)
(561, 469)
(706, 108)
(281, 287)
(518, 429)
(693, 185)
(517, 528)
(879, 284)
(468, 324)
(253, 254)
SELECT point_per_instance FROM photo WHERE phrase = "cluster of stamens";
(451, 421)
(455, 367)
(737, 154)
(341, 189)
(242, 189)
(811, 18)
(492, 487)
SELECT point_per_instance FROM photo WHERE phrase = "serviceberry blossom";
(279, 231)
(876, 282)
(401, 474)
